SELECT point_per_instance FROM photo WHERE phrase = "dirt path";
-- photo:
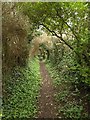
(47, 107)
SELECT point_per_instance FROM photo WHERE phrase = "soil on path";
(47, 107)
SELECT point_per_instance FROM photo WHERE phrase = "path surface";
(47, 107)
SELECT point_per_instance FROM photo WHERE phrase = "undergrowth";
(71, 104)
(21, 89)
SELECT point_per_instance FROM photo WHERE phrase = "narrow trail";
(47, 107)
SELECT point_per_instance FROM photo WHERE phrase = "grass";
(21, 89)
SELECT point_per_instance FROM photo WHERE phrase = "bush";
(15, 27)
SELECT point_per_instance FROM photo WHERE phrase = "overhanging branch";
(54, 33)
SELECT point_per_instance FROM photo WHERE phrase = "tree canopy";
(61, 18)
(67, 21)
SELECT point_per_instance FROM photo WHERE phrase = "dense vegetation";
(21, 90)
(72, 96)
(21, 75)
(68, 22)
(68, 55)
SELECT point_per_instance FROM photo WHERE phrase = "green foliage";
(82, 74)
(15, 29)
(69, 61)
(69, 19)
(54, 74)
(72, 111)
(21, 90)
(68, 82)
(62, 96)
